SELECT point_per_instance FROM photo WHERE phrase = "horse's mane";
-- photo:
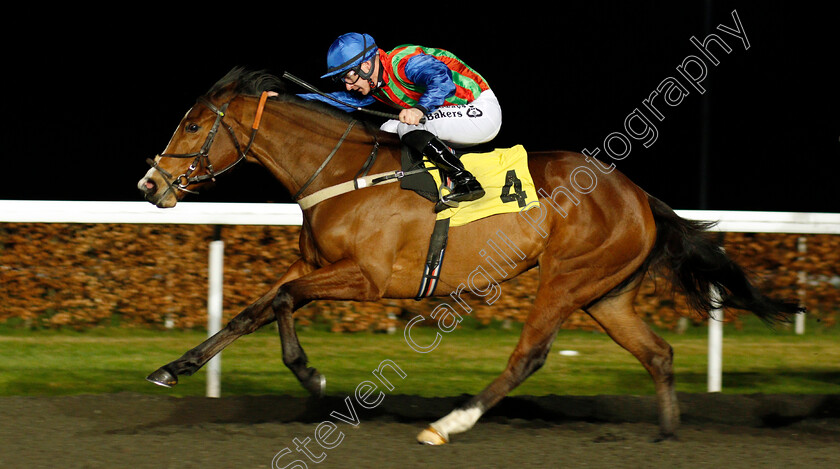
(254, 82)
(246, 82)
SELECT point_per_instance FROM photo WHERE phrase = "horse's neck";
(294, 142)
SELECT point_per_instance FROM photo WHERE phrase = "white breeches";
(460, 125)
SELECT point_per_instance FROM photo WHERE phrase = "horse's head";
(210, 140)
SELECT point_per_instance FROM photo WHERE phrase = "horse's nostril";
(148, 186)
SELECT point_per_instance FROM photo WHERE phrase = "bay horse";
(592, 248)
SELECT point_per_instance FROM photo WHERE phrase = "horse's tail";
(694, 261)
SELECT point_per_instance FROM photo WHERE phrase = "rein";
(201, 157)
(327, 160)
(359, 181)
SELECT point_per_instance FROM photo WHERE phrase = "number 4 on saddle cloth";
(508, 187)
(503, 173)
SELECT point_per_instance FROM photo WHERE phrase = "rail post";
(215, 294)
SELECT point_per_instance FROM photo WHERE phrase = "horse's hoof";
(316, 385)
(430, 436)
(322, 385)
(162, 377)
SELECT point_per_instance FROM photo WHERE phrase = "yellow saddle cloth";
(507, 183)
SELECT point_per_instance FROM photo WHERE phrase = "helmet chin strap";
(369, 76)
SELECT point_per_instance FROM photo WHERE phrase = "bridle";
(201, 158)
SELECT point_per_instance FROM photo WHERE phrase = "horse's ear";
(225, 93)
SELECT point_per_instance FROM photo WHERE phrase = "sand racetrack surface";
(155, 431)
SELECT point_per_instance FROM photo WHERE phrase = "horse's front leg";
(249, 320)
(343, 280)
(293, 355)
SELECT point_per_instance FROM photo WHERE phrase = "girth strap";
(434, 259)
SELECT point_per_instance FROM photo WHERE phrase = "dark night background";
(90, 97)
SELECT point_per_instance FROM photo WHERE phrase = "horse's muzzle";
(154, 190)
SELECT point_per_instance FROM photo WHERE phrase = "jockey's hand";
(411, 116)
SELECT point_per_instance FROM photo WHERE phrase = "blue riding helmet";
(348, 52)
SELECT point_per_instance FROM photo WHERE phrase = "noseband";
(201, 158)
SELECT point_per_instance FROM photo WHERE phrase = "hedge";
(88, 275)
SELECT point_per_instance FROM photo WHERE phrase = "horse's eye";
(192, 127)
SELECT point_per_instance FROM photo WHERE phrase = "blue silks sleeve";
(434, 76)
(351, 98)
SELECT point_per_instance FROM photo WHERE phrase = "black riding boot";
(465, 186)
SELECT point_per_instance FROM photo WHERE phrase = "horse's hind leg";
(530, 354)
(618, 317)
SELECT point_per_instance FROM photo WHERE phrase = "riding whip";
(311, 88)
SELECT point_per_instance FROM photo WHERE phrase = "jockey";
(459, 107)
